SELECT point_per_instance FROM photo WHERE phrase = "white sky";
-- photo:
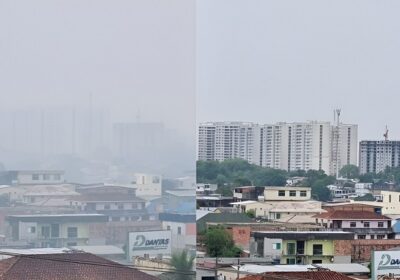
(290, 60)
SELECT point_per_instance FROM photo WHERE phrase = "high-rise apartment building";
(228, 140)
(296, 146)
(288, 146)
(344, 146)
(375, 156)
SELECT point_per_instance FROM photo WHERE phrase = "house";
(247, 193)
(67, 266)
(287, 193)
(147, 185)
(62, 230)
(43, 194)
(117, 206)
(174, 199)
(204, 189)
(31, 177)
(364, 221)
(303, 247)
(221, 218)
(119, 203)
(183, 230)
(282, 211)
(213, 201)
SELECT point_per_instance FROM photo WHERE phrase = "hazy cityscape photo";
(207, 140)
(97, 145)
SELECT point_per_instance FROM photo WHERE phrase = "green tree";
(367, 178)
(349, 171)
(183, 264)
(251, 213)
(219, 243)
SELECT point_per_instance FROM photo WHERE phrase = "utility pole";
(216, 267)
(238, 269)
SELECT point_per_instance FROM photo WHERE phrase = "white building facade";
(228, 140)
(288, 146)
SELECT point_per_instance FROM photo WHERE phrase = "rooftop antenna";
(386, 134)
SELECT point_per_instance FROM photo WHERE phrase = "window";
(35, 177)
(168, 227)
(281, 193)
(276, 246)
(55, 230)
(292, 193)
(361, 236)
(46, 177)
(316, 261)
(290, 261)
(121, 206)
(372, 236)
(32, 229)
(303, 193)
(291, 248)
(380, 236)
(380, 224)
(353, 224)
(45, 231)
(70, 244)
(57, 177)
(317, 249)
(179, 230)
(366, 224)
(107, 206)
(72, 232)
(278, 216)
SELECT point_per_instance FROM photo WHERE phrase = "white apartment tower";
(287, 146)
(228, 140)
(296, 146)
(344, 146)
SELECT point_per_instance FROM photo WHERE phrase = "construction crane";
(386, 134)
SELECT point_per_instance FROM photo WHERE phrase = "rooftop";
(109, 197)
(312, 275)
(347, 268)
(351, 215)
(304, 235)
(82, 218)
(183, 193)
(70, 266)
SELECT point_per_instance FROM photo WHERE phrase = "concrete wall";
(269, 249)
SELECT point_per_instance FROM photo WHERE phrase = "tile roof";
(351, 215)
(68, 266)
(313, 275)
